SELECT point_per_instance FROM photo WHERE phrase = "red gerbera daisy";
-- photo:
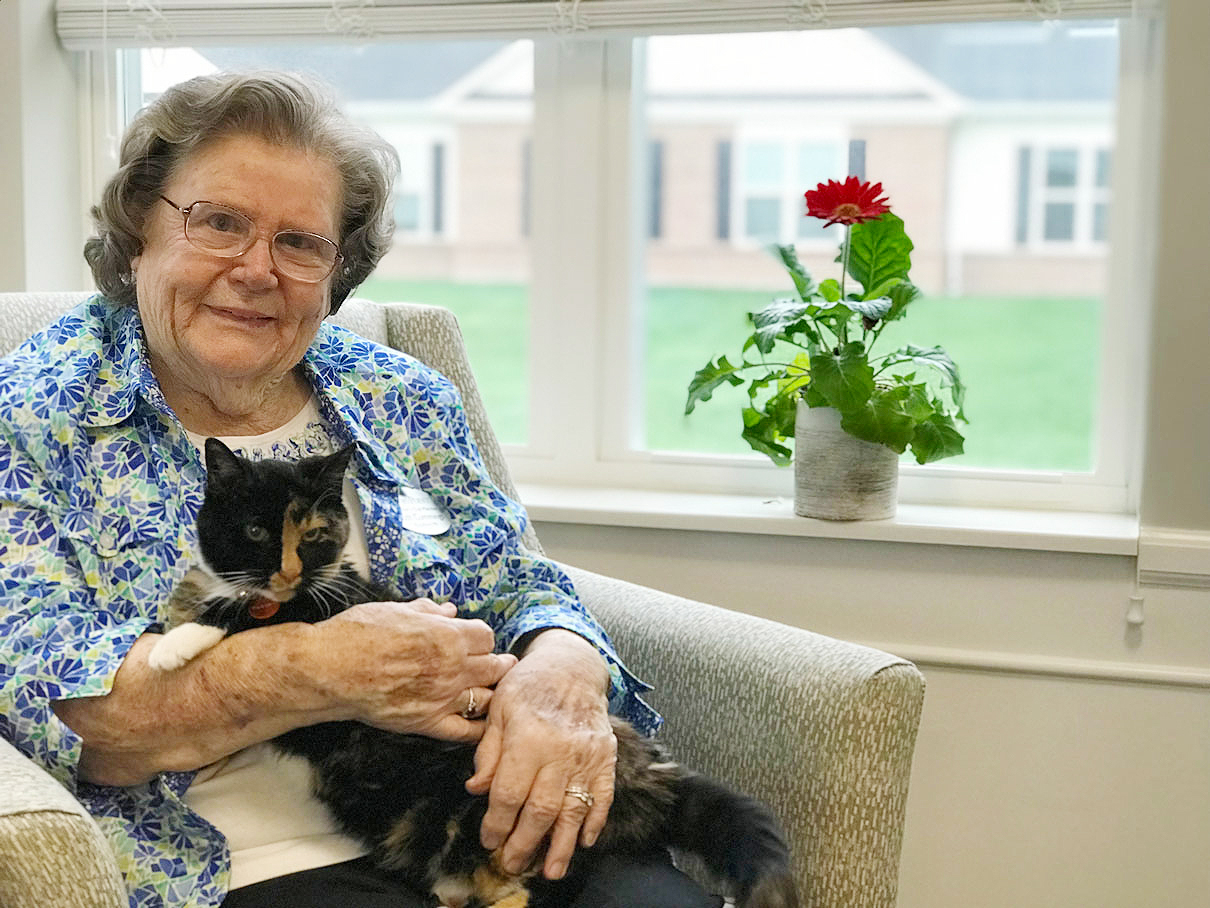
(850, 202)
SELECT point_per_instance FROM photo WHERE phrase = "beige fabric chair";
(821, 729)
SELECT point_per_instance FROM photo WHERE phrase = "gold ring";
(583, 794)
(469, 712)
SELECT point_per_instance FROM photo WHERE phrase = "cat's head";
(273, 527)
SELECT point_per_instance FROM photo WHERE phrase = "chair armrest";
(52, 853)
(820, 729)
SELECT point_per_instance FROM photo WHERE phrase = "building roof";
(1049, 61)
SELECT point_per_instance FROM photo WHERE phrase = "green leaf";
(783, 410)
(874, 309)
(879, 251)
(883, 289)
(902, 294)
(935, 438)
(917, 403)
(814, 398)
(936, 359)
(830, 290)
(881, 420)
(803, 282)
(708, 378)
(761, 433)
(781, 318)
(797, 374)
(843, 377)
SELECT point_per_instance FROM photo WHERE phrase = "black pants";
(645, 883)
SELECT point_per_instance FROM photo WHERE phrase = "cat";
(271, 535)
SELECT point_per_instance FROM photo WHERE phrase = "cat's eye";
(256, 532)
(312, 534)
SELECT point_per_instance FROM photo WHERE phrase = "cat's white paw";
(182, 644)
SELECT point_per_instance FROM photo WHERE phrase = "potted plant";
(811, 363)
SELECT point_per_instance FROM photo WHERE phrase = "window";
(596, 212)
(771, 177)
(1071, 185)
(1021, 308)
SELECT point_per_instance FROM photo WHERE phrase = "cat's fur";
(404, 795)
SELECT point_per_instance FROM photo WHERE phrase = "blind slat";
(91, 24)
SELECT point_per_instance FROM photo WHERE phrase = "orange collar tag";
(263, 607)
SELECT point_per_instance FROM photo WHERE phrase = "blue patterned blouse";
(99, 491)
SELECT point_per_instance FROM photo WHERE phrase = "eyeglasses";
(228, 234)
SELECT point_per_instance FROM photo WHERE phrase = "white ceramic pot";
(837, 476)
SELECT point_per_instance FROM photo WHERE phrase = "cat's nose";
(291, 569)
(285, 579)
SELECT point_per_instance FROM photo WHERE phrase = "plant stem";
(844, 273)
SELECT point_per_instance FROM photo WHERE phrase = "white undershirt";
(259, 799)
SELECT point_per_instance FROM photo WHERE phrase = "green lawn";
(493, 321)
(1030, 365)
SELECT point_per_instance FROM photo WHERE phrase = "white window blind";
(93, 24)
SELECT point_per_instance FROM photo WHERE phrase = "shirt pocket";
(125, 556)
(427, 569)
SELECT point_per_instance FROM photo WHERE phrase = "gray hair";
(280, 107)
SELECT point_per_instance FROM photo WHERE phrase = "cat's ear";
(334, 466)
(221, 463)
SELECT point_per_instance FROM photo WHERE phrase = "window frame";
(570, 448)
(789, 191)
(1084, 195)
(589, 223)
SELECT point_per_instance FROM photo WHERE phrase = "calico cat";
(271, 535)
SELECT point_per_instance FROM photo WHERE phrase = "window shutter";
(1024, 165)
(655, 191)
(438, 189)
(94, 24)
(722, 221)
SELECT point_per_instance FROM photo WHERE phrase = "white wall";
(1045, 772)
(42, 231)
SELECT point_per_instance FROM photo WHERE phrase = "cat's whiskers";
(330, 587)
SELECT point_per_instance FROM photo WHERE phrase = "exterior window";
(773, 174)
(1071, 186)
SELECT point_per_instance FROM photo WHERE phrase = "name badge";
(420, 514)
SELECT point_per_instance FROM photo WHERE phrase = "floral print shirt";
(99, 492)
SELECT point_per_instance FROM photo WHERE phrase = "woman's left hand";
(548, 738)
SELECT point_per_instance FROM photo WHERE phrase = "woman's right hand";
(411, 667)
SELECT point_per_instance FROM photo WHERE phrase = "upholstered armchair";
(821, 729)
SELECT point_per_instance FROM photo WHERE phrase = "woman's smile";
(248, 318)
(230, 328)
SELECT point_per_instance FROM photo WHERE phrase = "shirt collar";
(124, 371)
(335, 364)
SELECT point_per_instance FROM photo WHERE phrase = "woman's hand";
(548, 734)
(413, 667)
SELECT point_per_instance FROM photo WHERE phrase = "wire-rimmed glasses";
(228, 234)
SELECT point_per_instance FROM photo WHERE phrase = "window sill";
(1004, 528)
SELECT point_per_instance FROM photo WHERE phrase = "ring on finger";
(469, 711)
(582, 794)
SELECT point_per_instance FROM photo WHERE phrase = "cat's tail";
(737, 837)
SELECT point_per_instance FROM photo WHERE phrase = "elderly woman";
(245, 210)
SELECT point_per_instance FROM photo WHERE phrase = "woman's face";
(235, 320)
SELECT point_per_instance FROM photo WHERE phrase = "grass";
(493, 318)
(1029, 364)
